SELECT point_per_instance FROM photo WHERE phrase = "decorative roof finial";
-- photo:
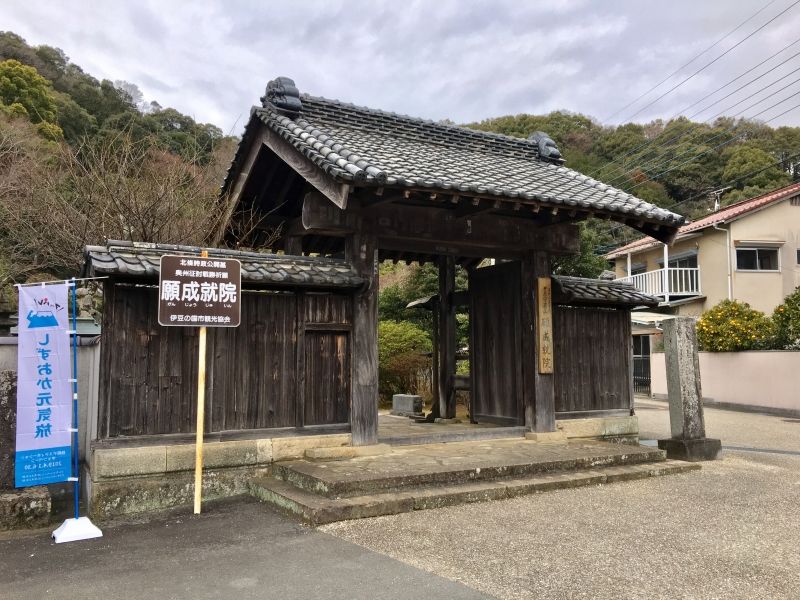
(283, 95)
(547, 147)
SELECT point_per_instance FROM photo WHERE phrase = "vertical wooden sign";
(544, 322)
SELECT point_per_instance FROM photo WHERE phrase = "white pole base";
(74, 530)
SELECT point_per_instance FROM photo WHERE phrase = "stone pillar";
(8, 421)
(689, 441)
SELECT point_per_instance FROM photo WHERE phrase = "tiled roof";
(363, 146)
(136, 259)
(724, 215)
(598, 292)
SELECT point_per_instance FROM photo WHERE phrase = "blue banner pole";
(79, 528)
(76, 486)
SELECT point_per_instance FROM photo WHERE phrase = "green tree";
(588, 263)
(746, 159)
(21, 84)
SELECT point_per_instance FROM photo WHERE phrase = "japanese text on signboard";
(44, 397)
(544, 310)
(199, 292)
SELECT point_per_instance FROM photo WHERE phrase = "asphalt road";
(729, 531)
(238, 550)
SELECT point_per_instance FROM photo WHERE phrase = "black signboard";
(198, 291)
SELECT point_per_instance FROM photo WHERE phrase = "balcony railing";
(672, 282)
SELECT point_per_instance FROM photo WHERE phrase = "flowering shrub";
(732, 326)
(787, 322)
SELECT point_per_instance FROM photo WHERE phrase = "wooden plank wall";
(592, 359)
(256, 378)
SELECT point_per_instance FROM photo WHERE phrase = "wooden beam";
(447, 337)
(238, 186)
(336, 192)
(437, 231)
(361, 250)
(293, 245)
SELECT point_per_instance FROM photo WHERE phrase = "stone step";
(438, 433)
(379, 476)
(318, 510)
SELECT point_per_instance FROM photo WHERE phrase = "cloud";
(457, 59)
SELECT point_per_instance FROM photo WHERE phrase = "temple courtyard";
(726, 531)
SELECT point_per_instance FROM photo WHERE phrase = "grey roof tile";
(365, 146)
(598, 292)
(136, 259)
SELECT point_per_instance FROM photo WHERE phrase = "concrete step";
(379, 476)
(318, 510)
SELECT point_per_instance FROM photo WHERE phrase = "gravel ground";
(731, 530)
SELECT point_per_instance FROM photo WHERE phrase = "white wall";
(767, 379)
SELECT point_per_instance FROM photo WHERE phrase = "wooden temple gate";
(334, 186)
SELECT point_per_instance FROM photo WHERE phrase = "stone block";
(547, 437)
(344, 452)
(600, 427)
(237, 453)
(406, 405)
(288, 448)
(264, 451)
(25, 508)
(691, 450)
(126, 462)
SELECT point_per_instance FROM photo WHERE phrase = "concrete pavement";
(730, 531)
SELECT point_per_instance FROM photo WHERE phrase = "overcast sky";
(462, 60)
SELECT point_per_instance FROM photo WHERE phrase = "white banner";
(44, 390)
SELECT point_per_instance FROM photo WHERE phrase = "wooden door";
(326, 397)
(495, 345)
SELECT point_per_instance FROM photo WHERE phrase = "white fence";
(763, 379)
(667, 282)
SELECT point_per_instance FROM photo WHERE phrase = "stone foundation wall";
(131, 480)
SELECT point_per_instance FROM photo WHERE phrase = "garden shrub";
(787, 322)
(402, 361)
(732, 326)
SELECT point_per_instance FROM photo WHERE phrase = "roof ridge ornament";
(548, 150)
(282, 95)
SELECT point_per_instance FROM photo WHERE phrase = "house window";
(757, 259)
(687, 262)
(798, 256)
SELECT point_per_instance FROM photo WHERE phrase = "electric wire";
(679, 69)
(704, 67)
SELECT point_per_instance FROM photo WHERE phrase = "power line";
(704, 67)
(686, 162)
(729, 183)
(751, 69)
(780, 64)
(679, 69)
(654, 164)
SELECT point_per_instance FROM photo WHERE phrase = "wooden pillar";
(361, 251)
(435, 362)
(447, 337)
(538, 388)
(293, 245)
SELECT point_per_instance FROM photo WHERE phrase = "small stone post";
(689, 441)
